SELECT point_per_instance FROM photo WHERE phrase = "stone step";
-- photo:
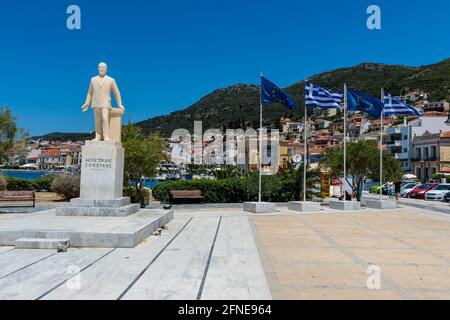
(42, 243)
(92, 232)
(114, 203)
(260, 207)
(98, 211)
(345, 205)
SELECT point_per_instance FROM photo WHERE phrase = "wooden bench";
(186, 195)
(15, 196)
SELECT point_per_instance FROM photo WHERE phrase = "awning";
(336, 182)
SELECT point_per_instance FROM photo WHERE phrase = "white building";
(399, 139)
(414, 96)
(441, 106)
(324, 113)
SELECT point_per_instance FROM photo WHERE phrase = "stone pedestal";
(302, 206)
(345, 205)
(260, 207)
(101, 186)
(381, 204)
(102, 170)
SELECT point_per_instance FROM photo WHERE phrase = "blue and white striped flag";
(316, 96)
(393, 106)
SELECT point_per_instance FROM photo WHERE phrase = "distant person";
(398, 188)
(348, 197)
(390, 189)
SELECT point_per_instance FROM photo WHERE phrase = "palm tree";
(294, 171)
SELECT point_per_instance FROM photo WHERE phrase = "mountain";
(61, 136)
(238, 106)
(233, 107)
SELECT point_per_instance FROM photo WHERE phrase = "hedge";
(39, 184)
(233, 190)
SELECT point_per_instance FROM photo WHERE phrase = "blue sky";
(165, 55)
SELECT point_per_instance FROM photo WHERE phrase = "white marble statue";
(99, 97)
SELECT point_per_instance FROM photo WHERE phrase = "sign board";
(326, 181)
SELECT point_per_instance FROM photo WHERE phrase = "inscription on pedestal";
(98, 163)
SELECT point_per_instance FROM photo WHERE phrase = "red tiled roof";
(434, 114)
(51, 152)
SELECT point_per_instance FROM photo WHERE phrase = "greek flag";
(316, 96)
(395, 106)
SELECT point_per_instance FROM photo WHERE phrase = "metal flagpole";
(305, 151)
(345, 141)
(381, 147)
(260, 141)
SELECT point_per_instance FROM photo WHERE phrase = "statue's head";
(102, 69)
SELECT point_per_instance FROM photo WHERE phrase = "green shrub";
(43, 183)
(2, 183)
(67, 186)
(232, 190)
(19, 184)
(130, 191)
(438, 176)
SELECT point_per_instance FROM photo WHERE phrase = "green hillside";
(61, 136)
(238, 106)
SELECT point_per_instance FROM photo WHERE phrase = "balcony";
(394, 143)
(396, 150)
(423, 159)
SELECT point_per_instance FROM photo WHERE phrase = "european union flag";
(270, 93)
(360, 101)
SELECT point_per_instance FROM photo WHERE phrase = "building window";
(433, 153)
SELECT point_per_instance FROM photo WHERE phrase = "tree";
(363, 161)
(143, 154)
(392, 170)
(8, 131)
(196, 169)
(230, 171)
(294, 172)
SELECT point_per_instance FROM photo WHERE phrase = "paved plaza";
(217, 253)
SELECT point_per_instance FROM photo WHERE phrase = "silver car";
(438, 192)
(406, 189)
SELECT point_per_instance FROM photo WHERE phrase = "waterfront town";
(224, 155)
(422, 144)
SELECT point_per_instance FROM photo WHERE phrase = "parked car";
(438, 192)
(407, 188)
(420, 191)
(447, 197)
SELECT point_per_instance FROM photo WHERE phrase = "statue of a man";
(100, 96)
